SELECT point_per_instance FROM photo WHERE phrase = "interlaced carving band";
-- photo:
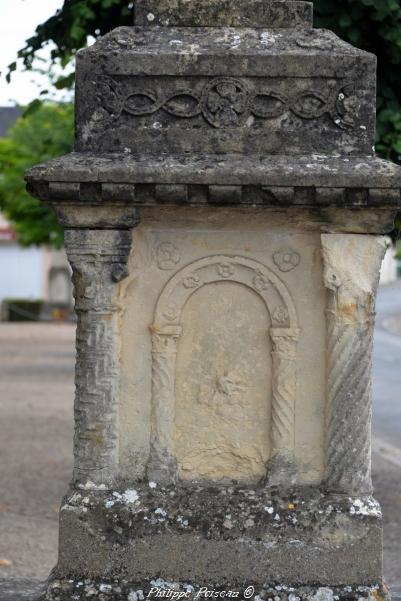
(228, 102)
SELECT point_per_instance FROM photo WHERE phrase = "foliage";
(69, 30)
(374, 25)
(45, 131)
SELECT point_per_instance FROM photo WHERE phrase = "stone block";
(234, 90)
(224, 215)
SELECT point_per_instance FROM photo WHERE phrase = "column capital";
(351, 271)
(95, 215)
(99, 260)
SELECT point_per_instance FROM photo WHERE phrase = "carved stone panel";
(229, 101)
(212, 378)
(190, 282)
(223, 385)
(257, 113)
(193, 91)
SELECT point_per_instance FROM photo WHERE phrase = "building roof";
(8, 116)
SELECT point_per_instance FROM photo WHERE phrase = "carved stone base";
(230, 537)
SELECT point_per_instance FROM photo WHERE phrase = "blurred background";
(38, 42)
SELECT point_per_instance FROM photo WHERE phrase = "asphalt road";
(36, 429)
(387, 374)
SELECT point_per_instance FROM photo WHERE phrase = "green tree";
(43, 133)
(69, 30)
(375, 26)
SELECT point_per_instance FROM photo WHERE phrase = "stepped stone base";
(113, 544)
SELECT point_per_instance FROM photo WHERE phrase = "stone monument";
(224, 213)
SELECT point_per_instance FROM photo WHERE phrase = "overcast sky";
(18, 21)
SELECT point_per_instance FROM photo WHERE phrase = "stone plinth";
(224, 216)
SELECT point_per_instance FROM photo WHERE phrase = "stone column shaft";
(282, 469)
(162, 465)
(99, 262)
(284, 388)
(351, 276)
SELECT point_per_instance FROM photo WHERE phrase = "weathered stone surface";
(230, 536)
(20, 590)
(281, 171)
(195, 268)
(207, 90)
(368, 185)
(64, 590)
(223, 13)
(99, 261)
(224, 351)
(351, 274)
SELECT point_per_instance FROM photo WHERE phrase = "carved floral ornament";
(286, 259)
(167, 256)
(228, 102)
(213, 269)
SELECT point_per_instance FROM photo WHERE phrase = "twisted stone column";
(282, 466)
(351, 276)
(284, 388)
(162, 465)
(99, 262)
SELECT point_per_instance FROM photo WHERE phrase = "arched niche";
(167, 330)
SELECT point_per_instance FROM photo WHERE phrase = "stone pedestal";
(224, 218)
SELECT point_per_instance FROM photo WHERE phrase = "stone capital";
(97, 216)
(351, 274)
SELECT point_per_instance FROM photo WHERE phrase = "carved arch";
(167, 329)
(219, 268)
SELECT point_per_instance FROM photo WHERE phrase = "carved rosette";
(351, 275)
(286, 259)
(99, 262)
(167, 329)
(168, 256)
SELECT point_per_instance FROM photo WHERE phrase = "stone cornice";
(274, 181)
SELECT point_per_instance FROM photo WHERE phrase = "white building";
(389, 268)
(34, 273)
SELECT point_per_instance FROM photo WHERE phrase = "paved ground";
(36, 395)
(387, 367)
(36, 392)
